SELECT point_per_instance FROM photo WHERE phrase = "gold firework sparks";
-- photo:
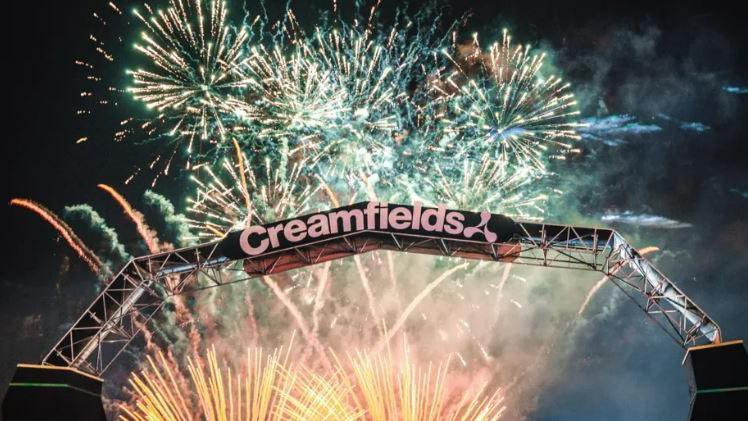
(216, 393)
(366, 386)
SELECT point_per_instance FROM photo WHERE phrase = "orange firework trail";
(64, 229)
(601, 282)
(148, 235)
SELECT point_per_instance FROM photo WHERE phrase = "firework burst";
(340, 95)
(499, 102)
(192, 55)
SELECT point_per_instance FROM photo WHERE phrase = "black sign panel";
(378, 217)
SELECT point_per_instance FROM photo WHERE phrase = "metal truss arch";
(140, 289)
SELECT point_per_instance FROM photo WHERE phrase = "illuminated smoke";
(146, 233)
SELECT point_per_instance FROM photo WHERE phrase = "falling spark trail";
(413, 304)
(319, 299)
(367, 288)
(67, 233)
(147, 335)
(300, 322)
(500, 293)
(251, 320)
(148, 235)
(393, 279)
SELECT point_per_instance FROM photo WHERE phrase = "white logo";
(376, 216)
(491, 236)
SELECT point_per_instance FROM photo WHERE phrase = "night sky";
(664, 87)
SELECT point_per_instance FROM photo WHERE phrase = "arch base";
(39, 392)
(718, 381)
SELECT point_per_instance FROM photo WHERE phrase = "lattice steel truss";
(137, 292)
